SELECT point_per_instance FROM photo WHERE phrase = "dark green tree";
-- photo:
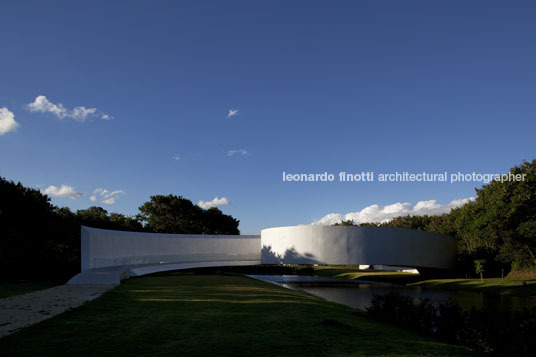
(410, 222)
(98, 217)
(367, 224)
(126, 223)
(215, 222)
(498, 226)
(176, 214)
(28, 239)
(479, 267)
(510, 215)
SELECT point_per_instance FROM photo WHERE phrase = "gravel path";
(20, 311)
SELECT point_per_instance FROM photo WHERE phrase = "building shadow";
(291, 256)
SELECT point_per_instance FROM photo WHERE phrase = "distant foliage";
(352, 223)
(411, 222)
(98, 217)
(176, 214)
(345, 223)
(502, 334)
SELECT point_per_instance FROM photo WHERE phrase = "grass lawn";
(508, 285)
(17, 288)
(215, 315)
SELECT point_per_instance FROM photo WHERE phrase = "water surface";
(358, 293)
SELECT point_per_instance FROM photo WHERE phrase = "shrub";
(500, 333)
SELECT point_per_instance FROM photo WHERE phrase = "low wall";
(107, 248)
(357, 245)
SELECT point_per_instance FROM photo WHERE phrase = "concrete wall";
(108, 248)
(103, 248)
(357, 245)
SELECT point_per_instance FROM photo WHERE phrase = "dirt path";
(20, 311)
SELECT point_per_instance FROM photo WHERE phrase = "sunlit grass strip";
(511, 286)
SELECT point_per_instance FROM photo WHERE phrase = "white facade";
(357, 245)
(107, 248)
(111, 256)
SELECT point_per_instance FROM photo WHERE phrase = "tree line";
(40, 240)
(495, 233)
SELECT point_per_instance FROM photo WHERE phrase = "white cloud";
(63, 191)
(232, 113)
(215, 202)
(81, 113)
(380, 214)
(236, 152)
(7, 121)
(176, 157)
(42, 105)
(107, 197)
(109, 201)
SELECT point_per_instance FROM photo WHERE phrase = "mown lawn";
(215, 315)
(508, 285)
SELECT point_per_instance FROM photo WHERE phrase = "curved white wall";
(110, 256)
(357, 245)
(108, 248)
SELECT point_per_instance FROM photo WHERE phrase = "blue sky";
(319, 86)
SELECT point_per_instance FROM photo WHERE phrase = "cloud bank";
(42, 105)
(7, 121)
(380, 214)
(214, 203)
(105, 196)
(62, 191)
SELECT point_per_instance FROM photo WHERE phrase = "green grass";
(8, 289)
(215, 315)
(508, 285)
